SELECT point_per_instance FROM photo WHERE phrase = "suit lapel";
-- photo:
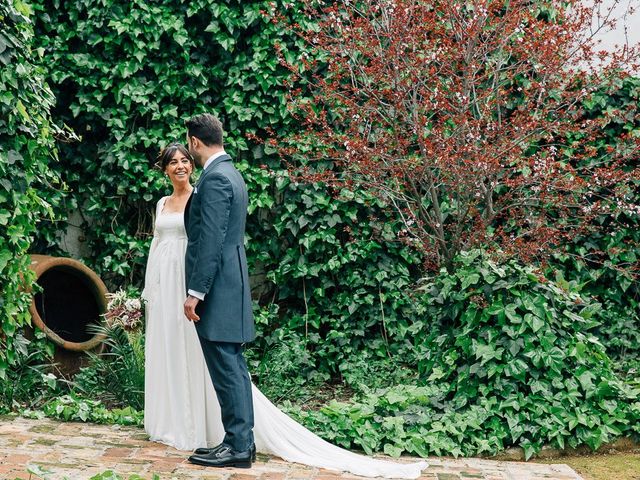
(185, 216)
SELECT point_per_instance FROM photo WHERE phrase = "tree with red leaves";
(466, 118)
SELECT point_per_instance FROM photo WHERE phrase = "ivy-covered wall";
(606, 264)
(328, 274)
(127, 73)
(29, 182)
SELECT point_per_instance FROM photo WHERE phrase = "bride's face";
(179, 169)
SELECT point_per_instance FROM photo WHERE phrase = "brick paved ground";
(79, 451)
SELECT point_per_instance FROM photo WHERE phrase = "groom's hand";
(190, 305)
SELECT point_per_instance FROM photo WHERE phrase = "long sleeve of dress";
(149, 276)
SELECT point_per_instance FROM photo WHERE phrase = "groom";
(219, 297)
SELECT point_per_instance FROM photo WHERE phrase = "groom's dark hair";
(206, 127)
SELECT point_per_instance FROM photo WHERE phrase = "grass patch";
(607, 466)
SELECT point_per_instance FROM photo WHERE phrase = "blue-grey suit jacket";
(216, 263)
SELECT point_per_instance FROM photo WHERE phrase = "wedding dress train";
(181, 407)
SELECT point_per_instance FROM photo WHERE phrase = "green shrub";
(507, 359)
(607, 264)
(76, 408)
(283, 368)
(366, 372)
(28, 381)
(30, 188)
(601, 269)
(340, 278)
(115, 376)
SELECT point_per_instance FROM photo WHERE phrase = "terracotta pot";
(72, 298)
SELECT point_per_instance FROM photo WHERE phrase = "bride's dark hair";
(167, 153)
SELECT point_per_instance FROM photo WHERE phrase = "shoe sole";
(230, 465)
(253, 457)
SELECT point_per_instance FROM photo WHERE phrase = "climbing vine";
(30, 187)
(127, 74)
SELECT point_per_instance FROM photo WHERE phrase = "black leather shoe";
(224, 457)
(207, 451)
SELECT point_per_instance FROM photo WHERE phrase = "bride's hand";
(190, 308)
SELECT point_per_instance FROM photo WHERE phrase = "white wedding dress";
(181, 407)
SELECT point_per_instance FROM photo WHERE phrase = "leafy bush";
(29, 186)
(607, 264)
(365, 372)
(74, 407)
(28, 381)
(506, 360)
(600, 266)
(340, 277)
(117, 375)
(283, 369)
(522, 342)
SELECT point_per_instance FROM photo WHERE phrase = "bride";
(181, 407)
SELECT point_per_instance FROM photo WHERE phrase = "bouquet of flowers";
(124, 311)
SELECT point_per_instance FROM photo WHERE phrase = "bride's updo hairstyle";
(167, 154)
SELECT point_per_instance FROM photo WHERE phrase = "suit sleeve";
(215, 204)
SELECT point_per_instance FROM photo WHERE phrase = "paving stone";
(42, 428)
(297, 470)
(163, 466)
(18, 459)
(117, 452)
(6, 468)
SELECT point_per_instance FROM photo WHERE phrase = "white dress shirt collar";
(212, 158)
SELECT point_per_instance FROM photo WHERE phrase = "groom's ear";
(194, 142)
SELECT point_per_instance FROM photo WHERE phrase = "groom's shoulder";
(217, 175)
(226, 168)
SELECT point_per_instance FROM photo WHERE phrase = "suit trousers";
(230, 377)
